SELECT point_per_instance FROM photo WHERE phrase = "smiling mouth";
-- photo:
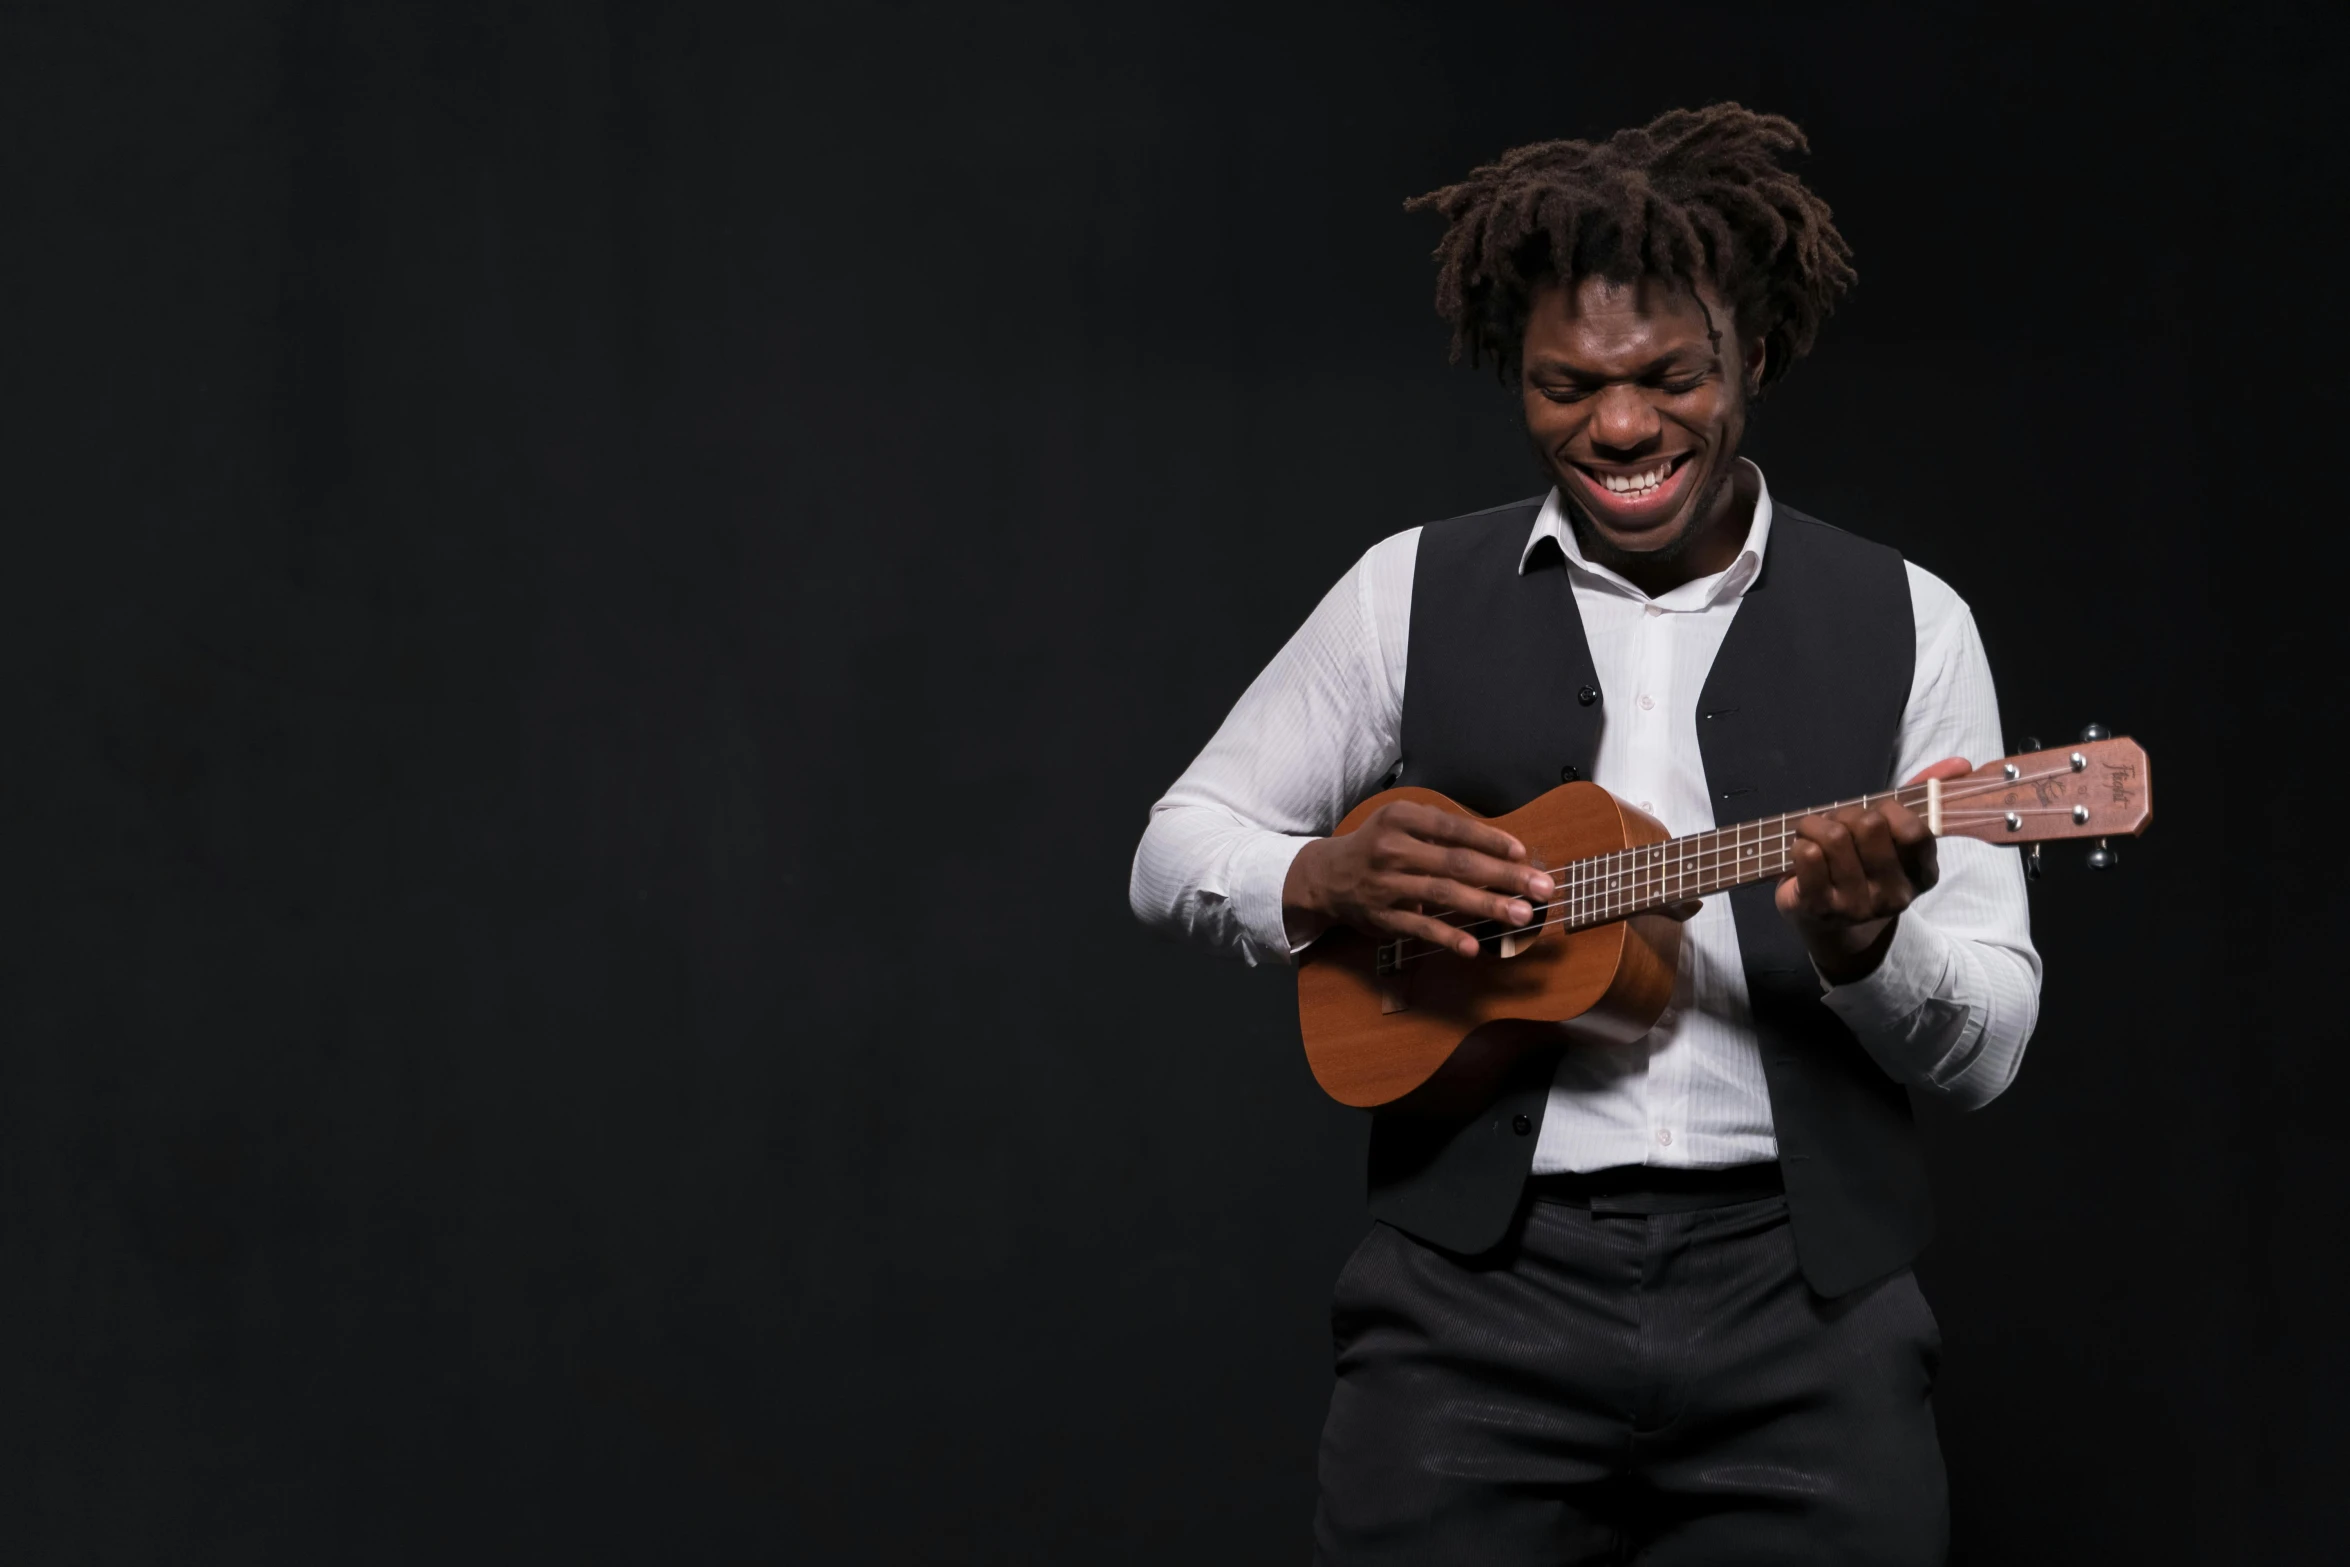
(1636, 484)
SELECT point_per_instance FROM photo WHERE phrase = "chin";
(1660, 540)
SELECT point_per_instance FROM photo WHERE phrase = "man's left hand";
(1854, 872)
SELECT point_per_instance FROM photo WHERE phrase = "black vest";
(1803, 706)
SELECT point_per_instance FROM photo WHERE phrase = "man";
(1654, 1299)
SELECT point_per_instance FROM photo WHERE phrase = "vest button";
(1521, 1124)
(1569, 773)
(1586, 696)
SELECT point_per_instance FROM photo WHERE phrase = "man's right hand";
(1406, 868)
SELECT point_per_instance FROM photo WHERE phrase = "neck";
(1611, 887)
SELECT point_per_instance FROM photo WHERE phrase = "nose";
(1622, 422)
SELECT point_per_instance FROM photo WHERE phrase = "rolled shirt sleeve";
(1953, 1003)
(1315, 731)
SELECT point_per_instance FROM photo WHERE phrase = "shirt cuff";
(1899, 1011)
(1258, 870)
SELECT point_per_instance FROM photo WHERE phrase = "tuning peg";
(2102, 858)
(2028, 743)
(2096, 732)
(2032, 868)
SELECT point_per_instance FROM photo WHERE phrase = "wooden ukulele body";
(1438, 1029)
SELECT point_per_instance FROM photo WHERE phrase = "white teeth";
(1636, 483)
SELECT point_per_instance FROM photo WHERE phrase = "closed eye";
(1559, 393)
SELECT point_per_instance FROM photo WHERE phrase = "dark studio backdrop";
(596, 596)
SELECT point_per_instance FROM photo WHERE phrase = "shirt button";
(1647, 702)
(1521, 1124)
(1653, 610)
(1664, 1137)
(1649, 806)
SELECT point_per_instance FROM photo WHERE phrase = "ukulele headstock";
(2093, 789)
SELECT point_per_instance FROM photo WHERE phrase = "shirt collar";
(1731, 582)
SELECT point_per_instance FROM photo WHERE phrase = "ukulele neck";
(1611, 887)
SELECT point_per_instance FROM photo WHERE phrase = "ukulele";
(1405, 1019)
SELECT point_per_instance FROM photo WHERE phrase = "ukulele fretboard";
(1611, 887)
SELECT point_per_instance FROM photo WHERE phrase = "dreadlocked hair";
(1694, 194)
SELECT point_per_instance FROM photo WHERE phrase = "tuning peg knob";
(2096, 732)
(2102, 858)
(2032, 868)
(2029, 743)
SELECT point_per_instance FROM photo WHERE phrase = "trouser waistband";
(1635, 1188)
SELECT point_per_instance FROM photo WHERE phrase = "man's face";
(1635, 413)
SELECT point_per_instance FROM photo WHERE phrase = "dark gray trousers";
(1614, 1386)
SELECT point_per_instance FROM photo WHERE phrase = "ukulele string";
(1598, 912)
(1785, 830)
(1589, 919)
(1598, 899)
(1656, 869)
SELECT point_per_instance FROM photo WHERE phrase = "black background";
(595, 598)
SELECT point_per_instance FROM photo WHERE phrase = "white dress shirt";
(1948, 1010)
